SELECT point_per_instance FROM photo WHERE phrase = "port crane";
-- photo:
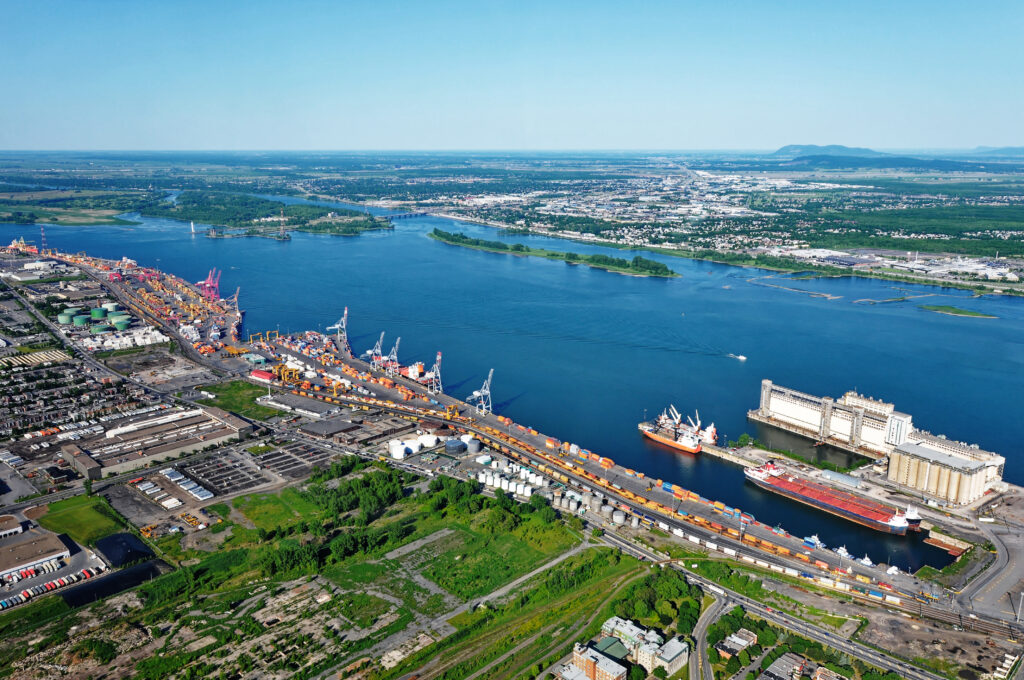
(481, 398)
(433, 381)
(342, 329)
(377, 353)
(391, 364)
(210, 287)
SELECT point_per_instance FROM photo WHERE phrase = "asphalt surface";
(700, 665)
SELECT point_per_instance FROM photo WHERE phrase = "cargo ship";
(670, 430)
(863, 511)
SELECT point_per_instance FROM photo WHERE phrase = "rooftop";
(29, 547)
(939, 458)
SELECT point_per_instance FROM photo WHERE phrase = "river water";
(584, 354)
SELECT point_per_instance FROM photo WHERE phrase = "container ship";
(863, 511)
(670, 430)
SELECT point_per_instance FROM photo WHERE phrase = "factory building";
(9, 526)
(853, 422)
(947, 471)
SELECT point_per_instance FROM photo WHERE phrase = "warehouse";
(31, 550)
(9, 526)
(311, 408)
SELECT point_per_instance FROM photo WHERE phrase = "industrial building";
(590, 664)
(9, 526)
(31, 549)
(304, 406)
(854, 422)
(786, 667)
(945, 470)
(150, 435)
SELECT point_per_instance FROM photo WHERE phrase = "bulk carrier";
(670, 430)
(863, 511)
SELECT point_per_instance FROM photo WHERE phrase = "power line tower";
(481, 398)
(391, 364)
(434, 377)
(377, 353)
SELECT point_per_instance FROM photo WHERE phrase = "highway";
(700, 664)
(782, 619)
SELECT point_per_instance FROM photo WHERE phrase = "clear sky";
(430, 74)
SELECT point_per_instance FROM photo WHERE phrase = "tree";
(637, 673)
(744, 657)
(732, 666)
(88, 487)
(598, 532)
(660, 672)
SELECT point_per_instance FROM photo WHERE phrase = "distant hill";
(794, 150)
(826, 162)
(1001, 151)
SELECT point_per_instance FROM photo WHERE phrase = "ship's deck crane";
(481, 398)
(434, 385)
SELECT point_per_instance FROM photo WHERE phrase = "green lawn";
(83, 518)
(362, 609)
(239, 397)
(269, 511)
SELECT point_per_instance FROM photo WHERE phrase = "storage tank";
(588, 499)
(80, 320)
(72, 310)
(504, 484)
(98, 313)
(528, 491)
(100, 328)
(119, 316)
(606, 510)
(474, 446)
(396, 445)
(428, 440)
(122, 325)
(110, 306)
(523, 473)
(483, 460)
(481, 476)
(454, 447)
(398, 454)
(467, 438)
(619, 517)
(413, 446)
(64, 318)
(520, 488)
(573, 506)
(635, 522)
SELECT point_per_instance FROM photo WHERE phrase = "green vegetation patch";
(86, 519)
(956, 311)
(638, 266)
(270, 511)
(239, 397)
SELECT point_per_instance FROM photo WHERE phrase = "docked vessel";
(670, 430)
(863, 511)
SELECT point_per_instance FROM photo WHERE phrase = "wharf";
(812, 435)
(733, 456)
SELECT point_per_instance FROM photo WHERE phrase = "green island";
(956, 311)
(638, 266)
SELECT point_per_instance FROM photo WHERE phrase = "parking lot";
(225, 474)
(294, 461)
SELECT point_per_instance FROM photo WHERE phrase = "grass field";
(239, 397)
(269, 511)
(83, 518)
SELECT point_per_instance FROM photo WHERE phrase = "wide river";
(583, 354)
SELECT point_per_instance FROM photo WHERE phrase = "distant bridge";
(405, 216)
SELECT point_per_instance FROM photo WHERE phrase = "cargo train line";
(730, 543)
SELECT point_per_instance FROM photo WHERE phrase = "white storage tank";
(481, 477)
(494, 464)
(504, 484)
(474, 446)
(428, 440)
(396, 446)
(413, 446)
(606, 510)
(523, 472)
(573, 506)
(520, 488)
(467, 438)
(636, 522)
(619, 517)
(528, 491)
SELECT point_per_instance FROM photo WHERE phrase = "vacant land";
(86, 519)
(269, 511)
(239, 397)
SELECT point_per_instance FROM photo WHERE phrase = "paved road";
(700, 664)
(788, 622)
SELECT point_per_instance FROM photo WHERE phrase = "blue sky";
(509, 75)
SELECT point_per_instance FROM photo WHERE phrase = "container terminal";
(323, 367)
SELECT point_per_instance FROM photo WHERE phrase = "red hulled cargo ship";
(859, 509)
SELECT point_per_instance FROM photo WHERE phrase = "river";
(584, 354)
